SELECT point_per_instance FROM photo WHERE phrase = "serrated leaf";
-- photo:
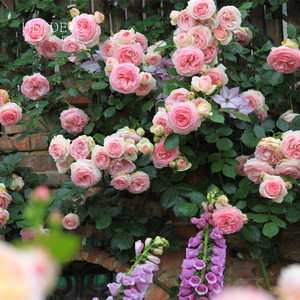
(278, 221)
(217, 118)
(249, 140)
(229, 171)
(229, 188)
(283, 125)
(147, 105)
(103, 222)
(260, 208)
(292, 214)
(270, 229)
(171, 142)
(188, 209)
(259, 132)
(99, 85)
(109, 112)
(197, 198)
(99, 138)
(260, 218)
(276, 78)
(251, 233)
(123, 240)
(89, 128)
(217, 166)
(169, 198)
(224, 144)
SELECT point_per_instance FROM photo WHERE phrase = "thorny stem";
(265, 275)
(9, 139)
(162, 285)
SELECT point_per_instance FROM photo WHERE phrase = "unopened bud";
(191, 95)
(154, 259)
(219, 85)
(99, 17)
(172, 164)
(157, 130)
(157, 251)
(245, 219)
(156, 139)
(223, 200)
(288, 185)
(290, 44)
(74, 12)
(148, 241)
(41, 194)
(140, 131)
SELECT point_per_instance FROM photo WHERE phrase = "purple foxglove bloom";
(95, 298)
(229, 98)
(195, 280)
(139, 246)
(119, 277)
(210, 278)
(207, 216)
(108, 298)
(220, 242)
(199, 265)
(149, 267)
(186, 273)
(194, 242)
(184, 291)
(200, 223)
(212, 296)
(215, 288)
(133, 293)
(216, 260)
(189, 297)
(141, 287)
(216, 233)
(220, 279)
(200, 247)
(201, 289)
(191, 253)
(188, 263)
(199, 234)
(128, 280)
(218, 270)
(185, 283)
(219, 251)
(202, 298)
(113, 288)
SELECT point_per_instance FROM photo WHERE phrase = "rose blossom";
(80, 148)
(114, 146)
(70, 221)
(228, 218)
(152, 59)
(201, 9)
(142, 40)
(125, 36)
(100, 158)
(229, 17)
(107, 49)
(121, 182)
(202, 37)
(124, 78)
(244, 34)
(269, 150)
(144, 90)
(210, 53)
(120, 167)
(183, 118)
(27, 234)
(5, 199)
(257, 99)
(85, 30)
(37, 31)
(273, 187)
(253, 167)
(17, 183)
(50, 47)
(203, 84)
(129, 54)
(290, 145)
(242, 159)
(59, 148)
(176, 96)
(184, 21)
(73, 120)
(35, 86)
(145, 146)
(289, 116)
(111, 62)
(188, 61)
(4, 97)
(10, 114)
(173, 16)
(183, 39)
(261, 114)
(63, 167)
(71, 45)
(223, 36)
(160, 118)
(140, 183)
(288, 167)
(4, 216)
(128, 133)
(161, 157)
(84, 173)
(99, 17)
(283, 59)
(217, 75)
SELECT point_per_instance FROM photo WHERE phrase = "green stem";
(265, 274)
(104, 191)
(44, 123)
(162, 285)
(205, 251)
(67, 103)
(220, 178)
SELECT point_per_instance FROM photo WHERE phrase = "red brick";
(157, 294)
(187, 230)
(244, 269)
(54, 178)
(39, 141)
(39, 161)
(172, 259)
(21, 145)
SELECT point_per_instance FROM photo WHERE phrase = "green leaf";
(17, 198)
(278, 208)
(291, 31)
(96, 211)
(251, 233)
(259, 132)
(123, 240)
(109, 112)
(172, 71)
(74, 92)
(150, 170)
(249, 140)
(197, 198)
(169, 198)
(99, 138)
(270, 229)
(185, 149)
(188, 209)
(224, 131)
(103, 222)
(62, 194)
(217, 165)
(99, 85)
(224, 144)
(184, 189)
(136, 229)
(254, 251)
(276, 78)
(159, 185)
(89, 128)
(261, 218)
(278, 221)
(292, 214)
(171, 142)
(229, 171)
(147, 106)
(217, 118)
(260, 208)
(229, 188)
(295, 124)
(282, 125)
(229, 56)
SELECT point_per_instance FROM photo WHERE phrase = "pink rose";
(202, 37)
(37, 31)
(128, 133)
(161, 157)
(142, 40)
(10, 114)
(125, 36)
(176, 96)
(284, 60)
(288, 167)
(5, 199)
(80, 148)
(4, 216)
(289, 116)
(244, 34)
(34, 87)
(120, 167)
(85, 30)
(203, 84)
(253, 167)
(230, 17)
(71, 221)
(183, 39)
(4, 97)
(210, 53)
(183, 118)
(217, 75)
(17, 183)
(63, 167)
(71, 45)
(121, 182)
(111, 62)
(84, 173)
(129, 54)
(184, 21)
(125, 78)
(152, 59)
(242, 159)
(100, 158)
(50, 47)
(257, 99)
(73, 120)
(59, 148)
(273, 187)
(261, 114)
(140, 183)
(223, 36)
(160, 118)
(290, 145)
(269, 150)
(228, 218)
(201, 9)
(27, 234)
(188, 61)
(114, 146)
(144, 90)
(108, 48)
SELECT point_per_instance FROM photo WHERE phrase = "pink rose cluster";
(35, 87)
(124, 53)
(85, 32)
(200, 30)
(10, 113)
(86, 160)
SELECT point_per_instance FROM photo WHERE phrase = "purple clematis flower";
(92, 64)
(229, 98)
